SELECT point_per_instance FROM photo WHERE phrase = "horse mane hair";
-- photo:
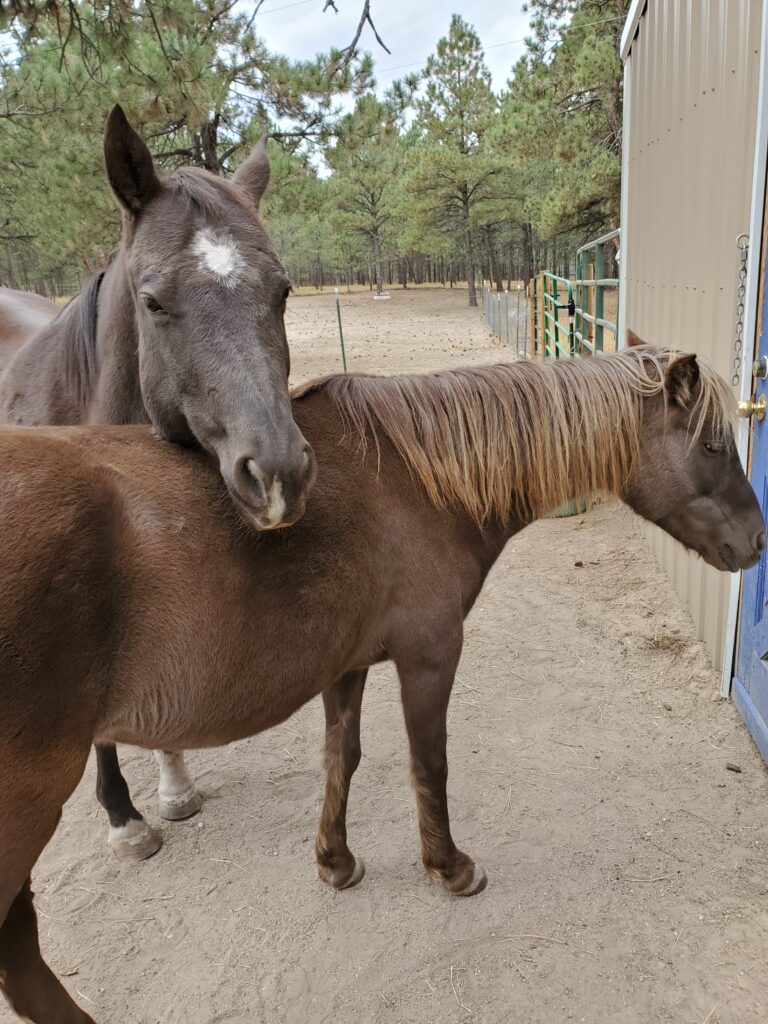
(79, 338)
(523, 438)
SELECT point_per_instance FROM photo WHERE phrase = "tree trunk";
(376, 245)
(528, 270)
(205, 146)
(493, 262)
(469, 256)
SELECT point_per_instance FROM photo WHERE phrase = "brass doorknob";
(747, 409)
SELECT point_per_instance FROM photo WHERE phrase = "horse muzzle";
(270, 497)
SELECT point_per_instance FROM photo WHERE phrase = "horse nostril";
(760, 541)
(250, 482)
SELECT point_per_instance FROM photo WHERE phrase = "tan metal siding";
(694, 67)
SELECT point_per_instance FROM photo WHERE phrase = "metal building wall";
(691, 77)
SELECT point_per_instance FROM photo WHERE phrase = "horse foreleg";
(28, 983)
(130, 837)
(335, 863)
(177, 796)
(426, 690)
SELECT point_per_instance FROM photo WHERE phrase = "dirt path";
(588, 752)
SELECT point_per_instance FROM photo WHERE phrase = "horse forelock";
(522, 438)
(212, 195)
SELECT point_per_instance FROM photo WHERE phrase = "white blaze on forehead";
(218, 255)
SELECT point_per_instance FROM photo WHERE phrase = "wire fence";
(507, 316)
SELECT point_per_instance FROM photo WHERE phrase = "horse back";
(22, 316)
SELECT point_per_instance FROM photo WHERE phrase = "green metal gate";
(582, 300)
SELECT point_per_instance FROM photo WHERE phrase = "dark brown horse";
(184, 330)
(136, 607)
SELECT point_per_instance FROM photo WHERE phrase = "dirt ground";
(588, 752)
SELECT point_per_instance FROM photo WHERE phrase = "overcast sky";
(410, 28)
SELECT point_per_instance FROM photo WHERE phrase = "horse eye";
(713, 448)
(287, 292)
(151, 304)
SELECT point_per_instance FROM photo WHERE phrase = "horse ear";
(130, 168)
(632, 339)
(680, 380)
(253, 175)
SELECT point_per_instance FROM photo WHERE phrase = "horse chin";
(255, 519)
(726, 559)
(722, 557)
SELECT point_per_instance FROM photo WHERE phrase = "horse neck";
(115, 392)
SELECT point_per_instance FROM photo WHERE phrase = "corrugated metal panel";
(693, 70)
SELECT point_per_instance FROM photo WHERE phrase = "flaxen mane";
(522, 438)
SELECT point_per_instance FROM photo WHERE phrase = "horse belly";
(202, 683)
(187, 713)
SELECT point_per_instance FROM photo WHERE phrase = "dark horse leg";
(426, 690)
(335, 864)
(27, 982)
(130, 836)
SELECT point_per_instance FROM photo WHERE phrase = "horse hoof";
(327, 874)
(135, 841)
(357, 875)
(478, 883)
(176, 808)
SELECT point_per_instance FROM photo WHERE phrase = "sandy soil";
(588, 752)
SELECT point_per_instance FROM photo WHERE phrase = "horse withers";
(135, 607)
(185, 329)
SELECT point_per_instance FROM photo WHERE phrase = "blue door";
(750, 686)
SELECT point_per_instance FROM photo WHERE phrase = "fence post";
(599, 304)
(579, 326)
(341, 332)
(556, 322)
(517, 321)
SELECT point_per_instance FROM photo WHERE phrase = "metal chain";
(742, 243)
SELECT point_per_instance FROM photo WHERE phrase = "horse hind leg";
(32, 793)
(130, 836)
(177, 795)
(27, 982)
(335, 863)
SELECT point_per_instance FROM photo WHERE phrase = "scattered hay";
(667, 640)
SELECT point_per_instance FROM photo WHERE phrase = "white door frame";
(751, 325)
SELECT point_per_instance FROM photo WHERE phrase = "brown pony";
(183, 330)
(136, 607)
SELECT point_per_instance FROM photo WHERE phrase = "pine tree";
(561, 116)
(366, 160)
(453, 175)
